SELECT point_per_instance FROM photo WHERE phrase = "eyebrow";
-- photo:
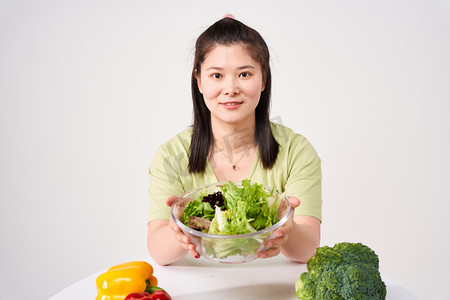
(239, 68)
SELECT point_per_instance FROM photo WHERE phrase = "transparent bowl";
(242, 247)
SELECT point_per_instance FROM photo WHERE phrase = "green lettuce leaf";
(198, 208)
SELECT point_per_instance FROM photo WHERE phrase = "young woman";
(232, 138)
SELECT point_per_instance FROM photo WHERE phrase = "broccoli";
(346, 271)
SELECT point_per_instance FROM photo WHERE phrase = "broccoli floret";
(346, 271)
(305, 287)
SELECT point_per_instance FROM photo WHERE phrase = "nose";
(231, 87)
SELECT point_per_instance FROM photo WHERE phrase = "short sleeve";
(305, 177)
(165, 181)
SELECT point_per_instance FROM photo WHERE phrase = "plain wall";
(89, 89)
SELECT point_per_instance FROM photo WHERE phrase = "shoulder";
(180, 141)
(292, 144)
(285, 135)
(176, 148)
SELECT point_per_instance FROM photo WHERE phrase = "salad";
(233, 210)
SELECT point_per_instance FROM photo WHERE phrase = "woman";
(232, 138)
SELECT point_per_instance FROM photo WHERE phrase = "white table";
(201, 279)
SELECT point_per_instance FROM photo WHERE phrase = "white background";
(90, 88)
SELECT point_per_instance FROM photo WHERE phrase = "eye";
(216, 75)
(244, 74)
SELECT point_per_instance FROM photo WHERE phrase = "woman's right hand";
(184, 240)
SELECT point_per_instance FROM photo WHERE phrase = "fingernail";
(197, 255)
(269, 245)
(262, 256)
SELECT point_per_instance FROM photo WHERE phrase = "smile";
(231, 103)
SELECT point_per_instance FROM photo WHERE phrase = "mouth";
(231, 104)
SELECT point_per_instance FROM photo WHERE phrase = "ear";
(199, 82)
(263, 86)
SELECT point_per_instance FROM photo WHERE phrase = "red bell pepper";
(156, 295)
(160, 295)
(138, 296)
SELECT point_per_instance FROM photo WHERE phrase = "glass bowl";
(237, 248)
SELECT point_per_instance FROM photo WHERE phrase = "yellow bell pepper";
(123, 279)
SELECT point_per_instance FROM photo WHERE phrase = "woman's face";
(231, 83)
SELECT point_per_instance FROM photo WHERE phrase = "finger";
(175, 227)
(269, 252)
(280, 233)
(294, 201)
(170, 200)
(183, 238)
(283, 230)
(276, 243)
(194, 254)
(191, 248)
(188, 245)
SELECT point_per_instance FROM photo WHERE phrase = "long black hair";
(229, 31)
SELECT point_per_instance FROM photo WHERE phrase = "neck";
(233, 137)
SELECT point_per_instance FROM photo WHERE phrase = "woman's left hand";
(281, 235)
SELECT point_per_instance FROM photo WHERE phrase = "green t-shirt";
(296, 172)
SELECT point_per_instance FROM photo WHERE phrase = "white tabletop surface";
(201, 279)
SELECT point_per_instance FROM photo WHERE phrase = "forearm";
(162, 244)
(302, 243)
